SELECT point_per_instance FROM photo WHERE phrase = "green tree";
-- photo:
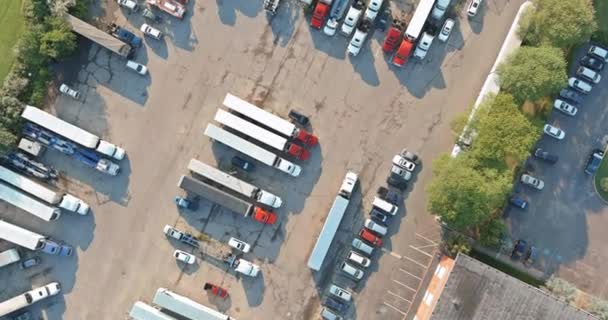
(561, 288)
(531, 73)
(10, 111)
(559, 23)
(491, 232)
(457, 243)
(7, 141)
(58, 41)
(599, 307)
(503, 131)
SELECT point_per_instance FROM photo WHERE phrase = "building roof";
(476, 291)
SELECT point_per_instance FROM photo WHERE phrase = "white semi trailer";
(28, 298)
(250, 191)
(31, 240)
(36, 189)
(239, 144)
(29, 204)
(72, 132)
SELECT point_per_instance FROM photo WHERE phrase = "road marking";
(406, 286)
(396, 255)
(424, 253)
(394, 308)
(427, 239)
(411, 274)
(416, 262)
(398, 296)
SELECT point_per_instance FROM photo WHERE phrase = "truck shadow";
(227, 9)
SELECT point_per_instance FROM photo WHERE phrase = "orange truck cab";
(393, 36)
(402, 53)
(307, 138)
(319, 15)
(264, 216)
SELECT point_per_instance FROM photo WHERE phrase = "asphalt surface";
(567, 220)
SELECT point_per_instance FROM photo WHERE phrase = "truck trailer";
(239, 144)
(9, 256)
(21, 237)
(29, 204)
(419, 19)
(269, 120)
(270, 139)
(248, 190)
(56, 198)
(28, 298)
(226, 200)
(72, 132)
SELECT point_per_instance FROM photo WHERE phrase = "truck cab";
(297, 151)
(403, 52)
(307, 138)
(348, 184)
(125, 35)
(392, 38)
(319, 14)
(293, 169)
(109, 149)
(263, 216)
(269, 199)
(71, 203)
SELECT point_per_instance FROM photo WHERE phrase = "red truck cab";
(403, 53)
(298, 152)
(307, 138)
(263, 216)
(393, 36)
(318, 16)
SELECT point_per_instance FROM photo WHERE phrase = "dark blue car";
(519, 249)
(242, 164)
(378, 216)
(518, 202)
(335, 305)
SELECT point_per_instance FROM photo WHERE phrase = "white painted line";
(416, 262)
(424, 253)
(398, 296)
(396, 255)
(394, 308)
(425, 238)
(427, 246)
(405, 285)
(411, 274)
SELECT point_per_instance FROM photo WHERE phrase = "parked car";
(401, 172)
(354, 47)
(151, 31)
(370, 237)
(473, 8)
(532, 181)
(375, 227)
(383, 19)
(546, 156)
(446, 30)
(393, 36)
(125, 35)
(403, 53)
(362, 246)
(424, 44)
(579, 85)
(554, 132)
(352, 271)
(242, 164)
(518, 202)
(239, 245)
(404, 163)
(594, 161)
(265, 217)
(340, 292)
(23, 316)
(441, 6)
(352, 18)
(358, 259)
(318, 16)
(335, 304)
(29, 263)
(65, 89)
(530, 256)
(184, 257)
(378, 216)
(388, 195)
(592, 63)
(299, 118)
(588, 74)
(137, 67)
(397, 181)
(373, 7)
(598, 52)
(132, 5)
(328, 314)
(215, 290)
(330, 27)
(519, 249)
(571, 95)
(565, 107)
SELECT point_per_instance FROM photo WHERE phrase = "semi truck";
(419, 19)
(28, 204)
(9, 256)
(269, 120)
(101, 38)
(27, 239)
(260, 134)
(72, 132)
(173, 8)
(226, 200)
(184, 308)
(241, 145)
(248, 190)
(55, 198)
(28, 298)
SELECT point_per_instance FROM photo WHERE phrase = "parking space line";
(405, 285)
(398, 296)
(427, 239)
(411, 274)
(396, 255)
(424, 253)
(414, 261)
(394, 308)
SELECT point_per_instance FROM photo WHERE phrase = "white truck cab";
(247, 268)
(71, 203)
(348, 184)
(423, 45)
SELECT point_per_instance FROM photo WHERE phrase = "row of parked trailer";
(168, 305)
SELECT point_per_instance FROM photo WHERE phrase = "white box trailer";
(269, 120)
(234, 183)
(142, 311)
(186, 307)
(239, 144)
(419, 19)
(215, 195)
(21, 237)
(36, 189)
(72, 132)
(260, 134)
(28, 298)
(9, 256)
(29, 204)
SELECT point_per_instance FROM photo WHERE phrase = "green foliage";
(457, 244)
(39, 85)
(601, 16)
(561, 288)
(7, 141)
(599, 307)
(28, 49)
(604, 184)
(559, 23)
(81, 9)
(36, 10)
(492, 231)
(10, 111)
(532, 73)
(58, 41)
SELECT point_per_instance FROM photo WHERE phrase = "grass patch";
(12, 23)
(602, 172)
(506, 269)
(601, 15)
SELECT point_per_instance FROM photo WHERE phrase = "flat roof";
(476, 291)
(334, 217)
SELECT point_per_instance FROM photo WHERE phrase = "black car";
(519, 249)
(546, 156)
(571, 95)
(390, 196)
(592, 63)
(299, 118)
(242, 164)
(383, 19)
(593, 163)
(378, 216)
(396, 181)
(335, 305)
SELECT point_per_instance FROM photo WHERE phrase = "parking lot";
(567, 220)
(362, 109)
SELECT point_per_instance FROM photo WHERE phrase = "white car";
(350, 22)
(64, 88)
(330, 27)
(362, 246)
(247, 268)
(441, 6)
(446, 30)
(372, 9)
(579, 85)
(423, 45)
(532, 181)
(354, 47)
(554, 132)
(375, 227)
(340, 292)
(239, 245)
(565, 107)
(598, 52)
(402, 162)
(358, 259)
(588, 74)
(184, 257)
(355, 273)
(473, 7)
(151, 31)
(128, 4)
(137, 67)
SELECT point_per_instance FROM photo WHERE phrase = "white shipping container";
(20, 236)
(260, 115)
(68, 130)
(419, 19)
(9, 256)
(240, 144)
(245, 127)
(29, 204)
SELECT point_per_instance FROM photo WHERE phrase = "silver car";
(532, 181)
(340, 292)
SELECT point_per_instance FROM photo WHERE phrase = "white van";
(588, 74)
(9, 256)
(385, 206)
(348, 184)
(375, 227)
(598, 52)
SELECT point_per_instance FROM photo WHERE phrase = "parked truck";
(419, 19)
(101, 38)
(28, 298)
(9, 256)
(270, 139)
(28, 239)
(29, 204)
(226, 200)
(239, 144)
(56, 198)
(180, 236)
(72, 132)
(269, 120)
(248, 190)
(173, 8)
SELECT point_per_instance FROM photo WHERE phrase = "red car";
(400, 57)
(263, 216)
(393, 36)
(215, 290)
(370, 237)
(318, 16)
